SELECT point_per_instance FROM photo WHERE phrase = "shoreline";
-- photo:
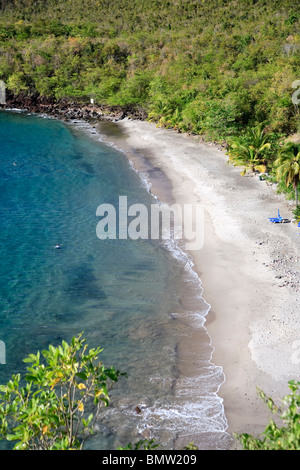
(252, 319)
(198, 408)
(194, 367)
(194, 353)
(248, 267)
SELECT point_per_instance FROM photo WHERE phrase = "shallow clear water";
(136, 299)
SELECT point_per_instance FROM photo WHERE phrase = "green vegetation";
(250, 150)
(49, 411)
(212, 68)
(288, 166)
(220, 69)
(57, 406)
(274, 437)
(257, 149)
(296, 213)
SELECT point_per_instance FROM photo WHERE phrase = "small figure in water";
(58, 246)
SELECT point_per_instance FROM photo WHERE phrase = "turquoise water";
(127, 296)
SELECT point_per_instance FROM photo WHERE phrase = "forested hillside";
(209, 67)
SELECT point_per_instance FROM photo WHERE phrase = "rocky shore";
(67, 110)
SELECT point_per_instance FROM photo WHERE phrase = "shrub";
(49, 411)
(274, 437)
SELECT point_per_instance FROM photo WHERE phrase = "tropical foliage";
(250, 150)
(56, 404)
(210, 68)
(49, 411)
(296, 213)
(224, 69)
(288, 166)
(274, 437)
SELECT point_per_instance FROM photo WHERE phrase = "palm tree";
(159, 113)
(249, 157)
(257, 136)
(249, 150)
(288, 166)
(164, 114)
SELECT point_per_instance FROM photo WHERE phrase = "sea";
(140, 300)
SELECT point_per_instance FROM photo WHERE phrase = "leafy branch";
(275, 437)
(49, 412)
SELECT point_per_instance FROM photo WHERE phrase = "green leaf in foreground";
(48, 412)
(274, 437)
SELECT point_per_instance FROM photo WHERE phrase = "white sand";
(249, 267)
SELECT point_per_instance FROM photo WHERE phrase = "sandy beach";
(249, 267)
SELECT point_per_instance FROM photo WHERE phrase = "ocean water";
(137, 299)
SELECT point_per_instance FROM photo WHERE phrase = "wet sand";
(249, 267)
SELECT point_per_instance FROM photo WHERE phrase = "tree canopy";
(216, 66)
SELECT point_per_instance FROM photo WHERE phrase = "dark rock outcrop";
(69, 110)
